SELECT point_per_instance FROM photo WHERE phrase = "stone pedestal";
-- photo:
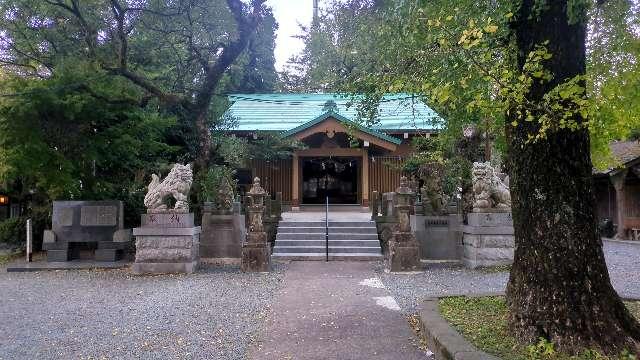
(222, 236)
(167, 243)
(255, 253)
(439, 237)
(404, 252)
(488, 240)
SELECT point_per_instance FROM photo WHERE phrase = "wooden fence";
(384, 173)
(275, 176)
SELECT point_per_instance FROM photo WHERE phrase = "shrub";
(13, 231)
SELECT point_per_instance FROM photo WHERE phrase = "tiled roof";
(624, 152)
(283, 112)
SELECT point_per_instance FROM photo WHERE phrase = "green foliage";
(176, 55)
(80, 135)
(459, 57)
(13, 231)
(426, 157)
(211, 180)
(542, 350)
(457, 174)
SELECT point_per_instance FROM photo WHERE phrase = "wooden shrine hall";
(342, 159)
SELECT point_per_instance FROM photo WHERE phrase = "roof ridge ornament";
(330, 106)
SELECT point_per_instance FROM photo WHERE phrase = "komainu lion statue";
(489, 192)
(176, 184)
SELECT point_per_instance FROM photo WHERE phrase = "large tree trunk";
(559, 287)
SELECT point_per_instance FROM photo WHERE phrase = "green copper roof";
(342, 119)
(283, 112)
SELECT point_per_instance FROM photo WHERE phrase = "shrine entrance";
(333, 177)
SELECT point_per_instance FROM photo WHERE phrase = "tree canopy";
(175, 53)
(459, 57)
(98, 94)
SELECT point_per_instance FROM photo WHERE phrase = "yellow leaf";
(491, 29)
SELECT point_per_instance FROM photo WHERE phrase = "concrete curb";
(628, 242)
(445, 342)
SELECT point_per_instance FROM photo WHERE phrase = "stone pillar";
(374, 206)
(295, 191)
(365, 178)
(404, 252)
(618, 181)
(255, 250)
(277, 206)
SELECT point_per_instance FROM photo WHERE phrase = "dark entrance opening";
(335, 177)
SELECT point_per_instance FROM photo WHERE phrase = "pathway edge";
(445, 342)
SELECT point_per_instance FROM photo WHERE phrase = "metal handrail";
(326, 229)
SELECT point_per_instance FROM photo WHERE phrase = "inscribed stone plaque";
(65, 217)
(98, 216)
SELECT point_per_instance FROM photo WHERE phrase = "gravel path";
(623, 261)
(213, 314)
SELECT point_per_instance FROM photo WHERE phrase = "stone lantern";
(404, 252)
(255, 250)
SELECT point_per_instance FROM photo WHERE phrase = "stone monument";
(488, 237)
(255, 250)
(404, 252)
(167, 240)
(223, 229)
(86, 226)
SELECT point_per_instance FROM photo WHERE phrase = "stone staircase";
(348, 240)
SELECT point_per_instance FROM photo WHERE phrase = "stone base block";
(490, 219)
(222, 236)
(58, 255)
(404, 258)
(489, 241)
(109, 254)
(255, 258)
(404, 253)
(165, 268)
(166, 250)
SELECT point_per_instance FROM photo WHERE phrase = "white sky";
(289, 13)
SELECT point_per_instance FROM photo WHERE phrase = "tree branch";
(119, 15)
(246, 25)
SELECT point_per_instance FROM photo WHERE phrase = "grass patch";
(496, 269)
(7, 258)
(483, 322)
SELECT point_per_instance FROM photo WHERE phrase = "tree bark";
(559, 287)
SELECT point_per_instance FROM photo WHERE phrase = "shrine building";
(342, 159)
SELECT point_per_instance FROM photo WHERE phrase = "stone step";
(338, 243)
(309, 229)
(332, 236)
(331, 224)
(333, 243)
(332, 249)
(322, 256)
